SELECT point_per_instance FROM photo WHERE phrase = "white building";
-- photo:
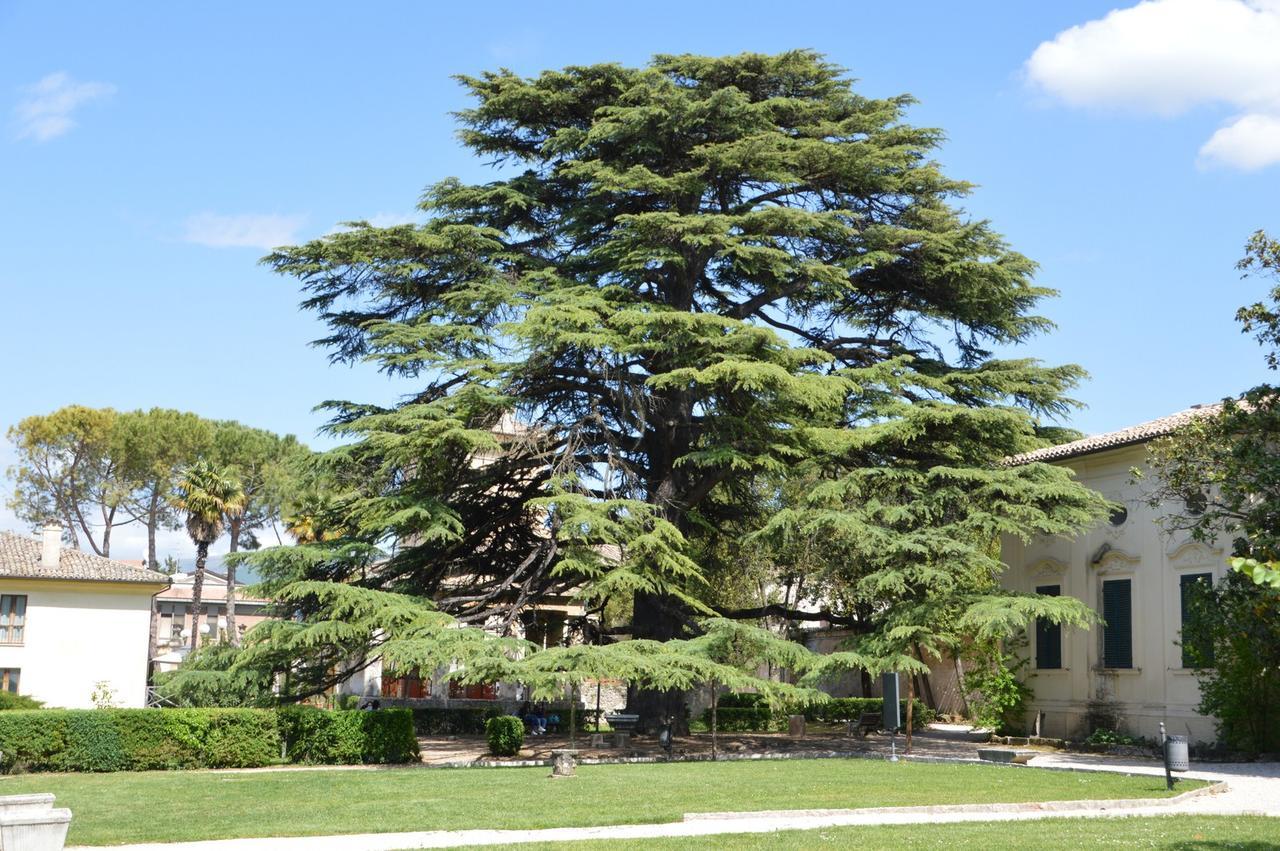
(1127, 674)
(70, 621)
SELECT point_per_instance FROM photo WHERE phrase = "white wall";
(1157, 688)
(80, 633)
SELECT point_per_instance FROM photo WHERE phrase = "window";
(1118, 516)
(1195, 654)
(9, 679)
(13, 617)
(1117, 633)
(1048, 635)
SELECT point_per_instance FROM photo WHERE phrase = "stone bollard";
(795, 726)
(563, 763)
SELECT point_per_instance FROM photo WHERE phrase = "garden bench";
(623, 726)
(868, 722)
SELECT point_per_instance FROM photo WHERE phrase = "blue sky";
(147, 155)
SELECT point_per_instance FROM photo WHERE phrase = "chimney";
(50, 544)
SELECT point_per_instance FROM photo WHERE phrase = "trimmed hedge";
(748, 712)
(736, 719)
(165, 739)
(505, 734)
(439, 721)
(840, 709)
(346, 737)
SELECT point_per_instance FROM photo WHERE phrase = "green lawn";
(118, 808)
(1184, 833)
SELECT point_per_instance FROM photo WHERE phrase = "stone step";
(1005, 755)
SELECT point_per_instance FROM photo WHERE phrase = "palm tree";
(208, 496)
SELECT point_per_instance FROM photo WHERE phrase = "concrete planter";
(34, 831)
(30, 823)
(21, 804)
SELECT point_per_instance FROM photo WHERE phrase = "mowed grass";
(119, 808)
(1184, 833)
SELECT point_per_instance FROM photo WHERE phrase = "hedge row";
(439, 721)
(739, 713)
(164, 739)
(840, 709)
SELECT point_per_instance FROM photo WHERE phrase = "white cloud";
(46, 110)
(1167, 56)
(243, 230)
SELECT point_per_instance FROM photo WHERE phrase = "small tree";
(207, 496)
(746, 648)
(1233, 639)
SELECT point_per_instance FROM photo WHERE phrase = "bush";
(163, 739)
(241, 738)
(841, 709)
(9, 700)
(505, 734)
(736, 719)
(740, 713)
(1232, 634)
(437, 721)
(997, 697)
(345, 737)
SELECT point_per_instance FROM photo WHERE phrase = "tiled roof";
(1140, 433)
(20, 559)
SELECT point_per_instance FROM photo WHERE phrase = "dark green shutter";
(1190, 584)
(1117, 635)
(1048, 635)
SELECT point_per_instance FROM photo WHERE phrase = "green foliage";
(208, 495)
(209, 676)
(750, 712)
(840, 709)
(1219, 474)
(9, 700)
(997, 697)
(1102, 736)
(137, 739)
(743, 719)
(698, 280)
(162, 739)
(1239, 622)
(451, 721)
(505, 735)
(241, 738)
(79, 462)
(348, 736)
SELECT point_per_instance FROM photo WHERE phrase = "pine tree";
(686, 278)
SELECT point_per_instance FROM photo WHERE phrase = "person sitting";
(539, 722)
(536, 724)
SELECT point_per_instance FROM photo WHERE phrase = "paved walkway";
(1253, 789)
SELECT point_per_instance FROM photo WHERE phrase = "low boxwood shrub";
(735, 719)
(388, 736)
(748, 712)
(839, 709)
(344, 737)
(505, 734)
(9, 700)
(440, 721)
(241, 738)
(161, 739)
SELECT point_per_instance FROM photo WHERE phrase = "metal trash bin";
(1177, 755)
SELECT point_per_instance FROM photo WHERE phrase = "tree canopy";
(1219, 475)
(96, 469)
(688, 284)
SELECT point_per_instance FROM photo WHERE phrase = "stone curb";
(948, 809)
